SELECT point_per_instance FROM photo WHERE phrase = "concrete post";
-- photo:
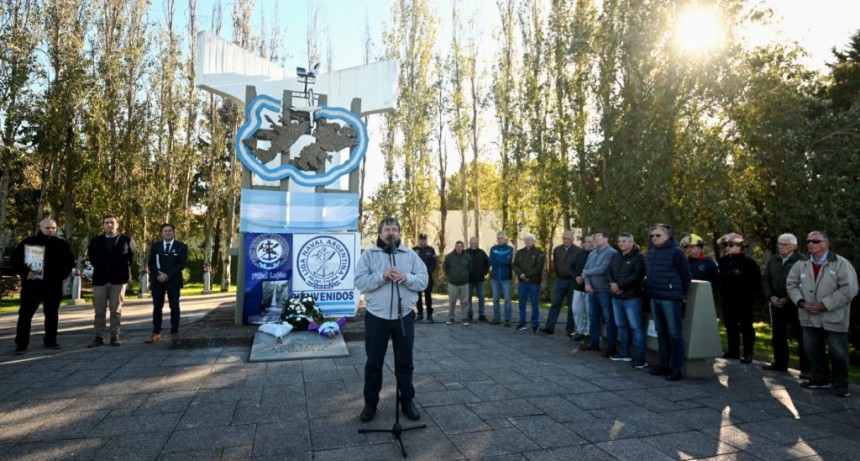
(75, 299)
(144, 283)
(207, 280)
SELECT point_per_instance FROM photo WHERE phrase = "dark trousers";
(377, 333)
(785, 324)
(818, 343)
(738, 318)
(158, 291)
(425, 297)
(562, 294)
(33, 294)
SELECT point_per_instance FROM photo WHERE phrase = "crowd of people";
(611, 289)
(45, 261)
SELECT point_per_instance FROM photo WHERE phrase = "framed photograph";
(34, 258)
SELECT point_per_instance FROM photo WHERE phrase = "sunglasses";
(729, 245)
(815, 241)
(653, 236)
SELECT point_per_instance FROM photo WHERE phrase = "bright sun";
(699, 30)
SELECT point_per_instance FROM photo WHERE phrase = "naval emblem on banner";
(325, 269)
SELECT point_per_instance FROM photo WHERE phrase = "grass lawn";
(10, 305)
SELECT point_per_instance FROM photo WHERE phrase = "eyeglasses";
(815, 241)
(653, 236)
(729, 245)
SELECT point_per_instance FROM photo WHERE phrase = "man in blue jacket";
(501, 258)
(668, 281)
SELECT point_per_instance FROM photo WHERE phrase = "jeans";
(600, 306)
(377, 333)
(478, 288)
(628, 317)
(158, 291)
(577, 315)
(670, 335)
(529, 292)
(815, 340)
(501, 289)
(562, 290)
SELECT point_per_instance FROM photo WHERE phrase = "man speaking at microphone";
(391, 276)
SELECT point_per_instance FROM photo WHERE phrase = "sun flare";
(699, 30)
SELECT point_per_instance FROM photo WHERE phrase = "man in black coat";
(167, 259)
(111, 255)
(477, 277)
(42, 261)
(428, 255)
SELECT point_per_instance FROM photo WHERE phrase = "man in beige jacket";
(822, 286)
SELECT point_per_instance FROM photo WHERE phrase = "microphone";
(390, 247)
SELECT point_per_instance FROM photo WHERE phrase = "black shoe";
(811, 384)
(546, 331)
(773, 367)
(20, 351)
(55, 346)
(747, 359)
(419, 317)
(483, 318)
(98, 341)
(114, 341)
(674, 375)
(507, 324)
(660, 371)
(368, 412)
(589, 347)
(410, 411)
(841, 391)
(495, 322)
(805, 375)
(731, 355)
(534, 330)
(429, 318)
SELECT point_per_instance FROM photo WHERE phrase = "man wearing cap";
(477, 277)
(501, 258)
(528, 267)
(822, 286)
(702, 267)
(428, 255)
(562, 291)
(783, 313)
(740, 281)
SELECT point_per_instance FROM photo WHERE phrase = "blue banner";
(268, 270)
(297, 212)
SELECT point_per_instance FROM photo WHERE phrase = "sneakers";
(114, 341)
(577, 337)
(98, 341)
(449, 322)
(55, 346)
(419, 317)
(841, 391)
(482, 318)
(811, 384)
(589, 347)
(640, 363)
(430, 319)
(521, 327)
(153, 338)
(465, 324)
(620, 358)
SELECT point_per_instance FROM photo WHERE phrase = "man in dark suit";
(167, 259)
(111, 255)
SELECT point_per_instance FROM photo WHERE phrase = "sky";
(818, 25)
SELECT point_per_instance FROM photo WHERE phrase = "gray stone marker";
(297, 345)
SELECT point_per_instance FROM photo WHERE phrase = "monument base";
(297, 345)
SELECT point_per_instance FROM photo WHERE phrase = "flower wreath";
(301, 311)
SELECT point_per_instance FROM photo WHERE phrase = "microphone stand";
(396, 429)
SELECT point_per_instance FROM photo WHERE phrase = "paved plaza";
(484, 391)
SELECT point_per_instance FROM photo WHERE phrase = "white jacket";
(381, 294)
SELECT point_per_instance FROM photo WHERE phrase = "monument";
(300, 148)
